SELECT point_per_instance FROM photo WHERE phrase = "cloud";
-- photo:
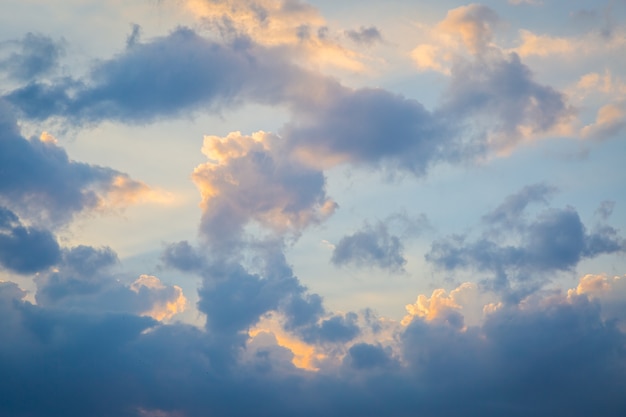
(472, 24)
(23, 249)
(36, 55)
(507, 104)
(40, 182)
(365, 35)
(250, 178)
(293, 25)
(378, 245)
(518, 251)
(83, 280)
(367, 356)
(375, 128)
(491, 90)
(558, 350)
(610, 121)
(167, 76)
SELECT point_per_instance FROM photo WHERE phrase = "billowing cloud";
(375, 128)
(516, 250)
(84, 280)
(490, 88)
(545, 349)
(40, 182)
(249, 178)
(25, 249)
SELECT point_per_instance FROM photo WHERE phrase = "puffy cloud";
(165, 301)
(166, 76)
(375, 128)
(25, 249)
(365, 35)
(559, 351)
(84, 280)
(490, 89)
(472, 24)
(40, 182)
(249, 178)
(378, 245)
(518, 251)
(610, 292)
(500, 93)
(36, 55)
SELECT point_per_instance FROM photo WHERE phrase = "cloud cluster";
(174, 370)
(520, 253)
(40, 182)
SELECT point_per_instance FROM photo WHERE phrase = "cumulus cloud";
(33, 56)
(378, 245)
(490, 88)
(249, 178)
(84, 280)
(40, 182)
(560, 351)
(375, 128)
(25, 249)
(518, 251)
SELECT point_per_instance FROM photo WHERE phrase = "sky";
(280, 207)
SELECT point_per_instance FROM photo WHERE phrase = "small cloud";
(367, 36)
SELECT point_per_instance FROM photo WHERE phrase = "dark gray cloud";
(36, 55)
(40, 182)
(561, 354)
(379, 245)
(365, 35)
(367, 356)
(25, 250)
(518, 251)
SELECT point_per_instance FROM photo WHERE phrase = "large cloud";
(557, 350)
(83, 280)
(40, 182)
(250, 178)
(517, 250)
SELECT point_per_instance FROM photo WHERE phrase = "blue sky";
(279, 207)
